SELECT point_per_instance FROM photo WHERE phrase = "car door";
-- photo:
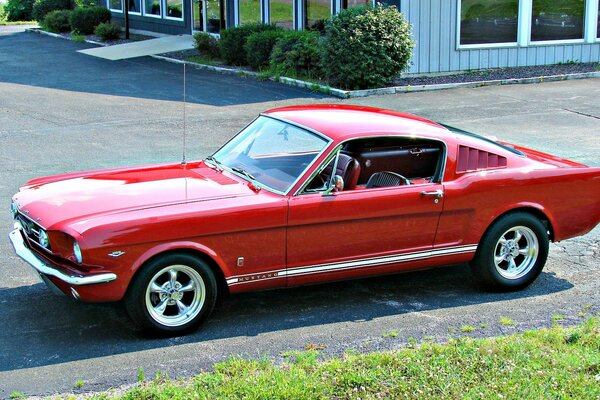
(361, 232)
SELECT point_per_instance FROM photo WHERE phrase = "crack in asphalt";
(581, 113)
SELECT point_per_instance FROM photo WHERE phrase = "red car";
(302, 195)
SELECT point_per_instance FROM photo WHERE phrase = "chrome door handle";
(438, 194)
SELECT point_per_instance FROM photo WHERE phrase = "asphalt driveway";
(62, 111)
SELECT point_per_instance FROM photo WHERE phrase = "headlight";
(14, 210)
(77, 252)
(44, 239)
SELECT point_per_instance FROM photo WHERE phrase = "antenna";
(183, 161)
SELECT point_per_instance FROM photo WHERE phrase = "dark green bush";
(108, 30)
(259, 47)
(43, 7)
(85, 19)
(57, 21)
(366, 47)
(18, 10)
(231, 44)
(296, 53)
(206, 44)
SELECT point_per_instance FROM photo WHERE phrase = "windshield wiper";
(244, 172)
(217, 163)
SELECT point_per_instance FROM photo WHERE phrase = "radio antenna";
(183, 161)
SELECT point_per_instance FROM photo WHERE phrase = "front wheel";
(512, 252)
(172, 295)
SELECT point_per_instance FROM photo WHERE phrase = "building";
(451, 35)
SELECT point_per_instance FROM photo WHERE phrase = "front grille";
(30, 228)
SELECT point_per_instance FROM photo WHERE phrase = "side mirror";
(333, 187)
(338, 183)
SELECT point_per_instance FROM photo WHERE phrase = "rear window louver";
(471, 159)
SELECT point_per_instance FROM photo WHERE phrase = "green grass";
(204, 60)
(390, 334)
(550, 363)
(79, 383)
(17, 395)
(77, 38)
(468, 328)
(506, 321)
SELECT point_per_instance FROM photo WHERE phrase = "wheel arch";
(215, 263)
(527, 209)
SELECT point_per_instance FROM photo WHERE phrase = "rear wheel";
(172, 295)
(512, 253)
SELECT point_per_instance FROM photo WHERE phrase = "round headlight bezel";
(44, 240)
(77, 252)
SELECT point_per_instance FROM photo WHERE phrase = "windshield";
(271, 153)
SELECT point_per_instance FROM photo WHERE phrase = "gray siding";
(434, 29)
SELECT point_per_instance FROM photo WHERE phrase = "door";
(208, 15)
(361, 232)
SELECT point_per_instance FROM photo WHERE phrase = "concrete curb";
(348, 94)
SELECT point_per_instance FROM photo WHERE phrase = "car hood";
(78, 196)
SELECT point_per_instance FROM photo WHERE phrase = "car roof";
(341, 122)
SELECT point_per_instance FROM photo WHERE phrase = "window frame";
(115, 10)
(166, 16)
(591, 30)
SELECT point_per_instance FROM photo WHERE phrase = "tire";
(171, 295)
(512, 252)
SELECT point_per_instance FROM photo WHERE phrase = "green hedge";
(108, 30)
(43, 7)
(18, 10)
(57, 21)
(259, 47)
(366, 47)
(231, 44)
(206, 44)
(296, 53)
(85, 19)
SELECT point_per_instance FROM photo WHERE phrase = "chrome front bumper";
(44, 269)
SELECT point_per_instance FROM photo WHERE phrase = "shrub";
(108, 30)
(85, 19)
(259, 47)
(231, 44)
(42, 7)
(57, 21)
(366, 47)
(18, 10)
(206, 44)
(297, 53)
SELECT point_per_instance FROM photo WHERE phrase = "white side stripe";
(341, 266)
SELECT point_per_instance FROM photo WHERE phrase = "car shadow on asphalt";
(42, 329)
(36, 60)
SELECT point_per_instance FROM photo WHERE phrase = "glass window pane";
(152, 7)
(174, 8)
(598, 21)
(215, 15)
(557, 19)
(282, 14)
(197, 15)
(249, 11)
(317, 12)
(134, 6)
(356, 3)
(488, 21)
(115, 5)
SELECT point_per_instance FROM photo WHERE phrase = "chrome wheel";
(175, 295)
(516, 252)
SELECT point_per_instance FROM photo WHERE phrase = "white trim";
(524, 22)
(236, 13)
(266, 11)
(534, 43)
(591, 22)
(354, 264)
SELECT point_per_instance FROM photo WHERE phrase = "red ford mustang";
(302, 195)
